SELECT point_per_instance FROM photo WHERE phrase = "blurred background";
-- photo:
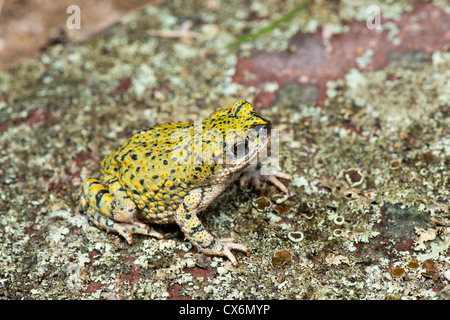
(27, 27)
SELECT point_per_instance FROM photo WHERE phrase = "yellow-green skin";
(171, 172)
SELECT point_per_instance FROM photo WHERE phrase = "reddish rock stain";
(425, 29)
(174, 292)
(198, 272)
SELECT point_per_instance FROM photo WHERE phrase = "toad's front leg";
(195, 232)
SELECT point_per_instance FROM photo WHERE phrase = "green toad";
(171, 172)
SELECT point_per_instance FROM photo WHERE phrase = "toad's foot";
(223, 248)
(126, 230)
(254, 175)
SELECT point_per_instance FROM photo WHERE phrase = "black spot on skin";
(123, 156)
(211, 245)
(94, 182)
(165, 162)
(134, 157)
(111, 181)
(109, 223)
(99, 196)
(239, 108)
(198, 228)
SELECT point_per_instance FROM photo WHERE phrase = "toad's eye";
(240, 148)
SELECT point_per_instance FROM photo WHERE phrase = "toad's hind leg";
(186, 218)
(114, 213)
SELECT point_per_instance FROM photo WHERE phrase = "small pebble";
(447, 274)
(222, 270)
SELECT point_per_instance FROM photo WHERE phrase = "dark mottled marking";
(109, 223)
(124, 155)
(94, 182)
(111, 180)
(99, 196)
(211, 245)
(197, 229)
